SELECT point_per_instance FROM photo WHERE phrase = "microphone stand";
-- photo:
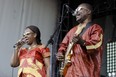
(51, 41)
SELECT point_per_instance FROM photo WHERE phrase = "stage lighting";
(111, 59)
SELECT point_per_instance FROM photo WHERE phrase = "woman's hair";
(36, 30)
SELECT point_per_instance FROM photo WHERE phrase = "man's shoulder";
(96, 25)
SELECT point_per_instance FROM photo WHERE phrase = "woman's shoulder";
(40, 46)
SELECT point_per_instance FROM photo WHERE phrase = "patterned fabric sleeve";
(96, 38)
(45, 52)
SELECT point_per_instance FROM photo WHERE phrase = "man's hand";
(60, 56)
(75, 39)
(78, 40)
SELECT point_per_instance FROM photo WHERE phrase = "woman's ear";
(35, 35)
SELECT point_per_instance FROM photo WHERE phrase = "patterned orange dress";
(31, 62)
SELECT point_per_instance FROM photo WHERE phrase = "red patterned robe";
(31, 62)
(86, 60)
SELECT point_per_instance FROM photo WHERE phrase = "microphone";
(70, 10)
(20, 42)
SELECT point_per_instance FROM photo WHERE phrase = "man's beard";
(81, 20)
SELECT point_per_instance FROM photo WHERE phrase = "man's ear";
(89, 11)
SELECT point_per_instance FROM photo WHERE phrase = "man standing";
(86, 47)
